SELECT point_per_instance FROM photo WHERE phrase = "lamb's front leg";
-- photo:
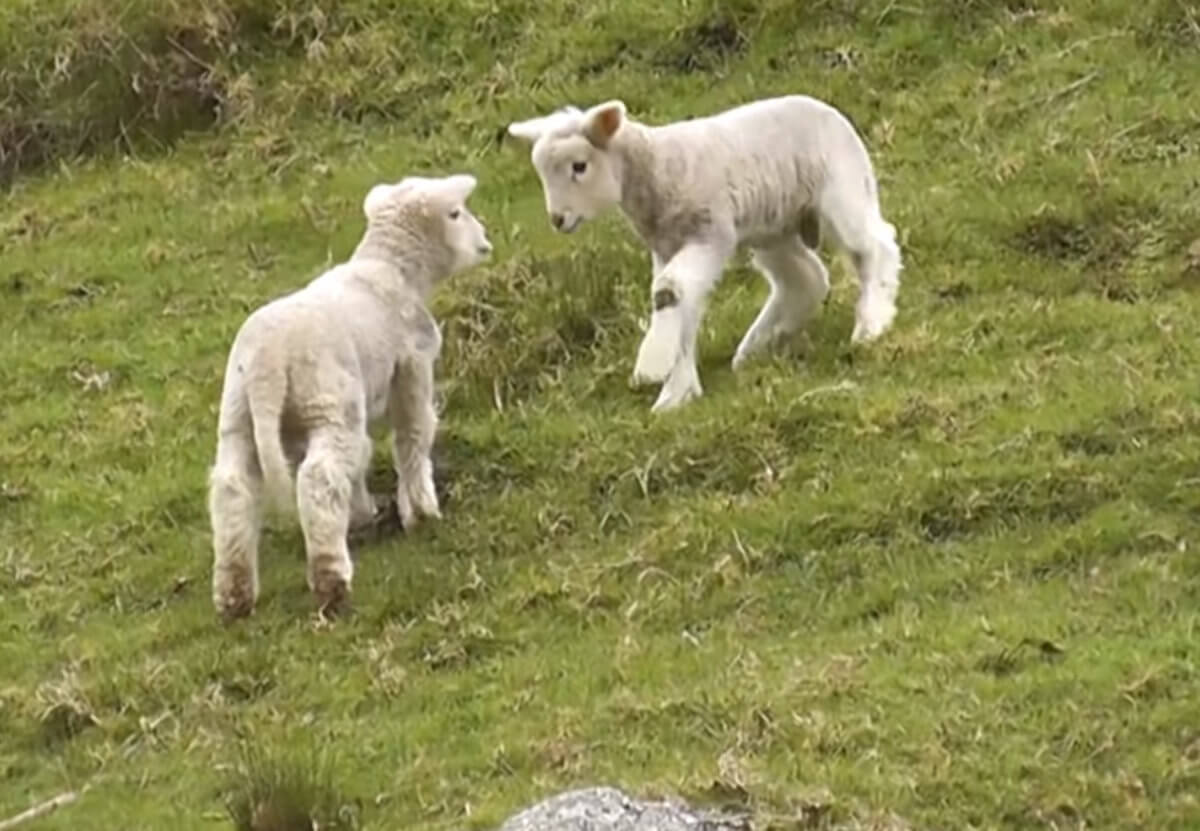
(679, 292)
(414, 425)
(658, 350)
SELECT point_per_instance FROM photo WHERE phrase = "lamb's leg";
(656, 353)
(324, 489)
(679, 292)
(683, 382)
(414, 427)
(799, 285)
(871, 242)
(878, 265)
(656, 265)
(235, 509)
(362, 504)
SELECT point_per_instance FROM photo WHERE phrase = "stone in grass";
(607, 809)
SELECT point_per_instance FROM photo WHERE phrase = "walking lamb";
(308, 374)
(770, 175)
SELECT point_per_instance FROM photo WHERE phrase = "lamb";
(771, 175)
(309, 373)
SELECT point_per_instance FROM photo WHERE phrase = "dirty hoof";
(332, 593)
(384, 523)
(230, 608)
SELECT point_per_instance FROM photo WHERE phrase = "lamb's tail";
(265, 397)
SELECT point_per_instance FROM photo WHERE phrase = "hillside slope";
(949, 579)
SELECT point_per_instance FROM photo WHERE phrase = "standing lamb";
(768, 175)
(308, 374)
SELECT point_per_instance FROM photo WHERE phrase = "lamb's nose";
(557, 220)
(486, 248)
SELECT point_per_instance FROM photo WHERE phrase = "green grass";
(951, 577)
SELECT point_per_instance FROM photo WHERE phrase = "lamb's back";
(326, 344)
(763, 162)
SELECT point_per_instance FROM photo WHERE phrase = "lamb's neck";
(418, 263)
(634, 149)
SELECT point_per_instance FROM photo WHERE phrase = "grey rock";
(608, 809)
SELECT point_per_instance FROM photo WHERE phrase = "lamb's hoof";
(332, 593)
(233, 607)
(363, 519)
(872, 325)
(675, 395)
(864, 334)
(235, 592)
(795, 343)
(644, 378)
(666, 404)
(754, 342)
(384, 522)
(416, 503)
(654, 362)
(412, 518)
(741, 358)
(650, 375)
(426, 502)
(798, 344)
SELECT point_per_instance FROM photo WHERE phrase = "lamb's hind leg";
(799, 285)
(235, 510)
(325, 483)
(362, 504)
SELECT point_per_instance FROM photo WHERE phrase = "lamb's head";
(573, 158)
(435, 210)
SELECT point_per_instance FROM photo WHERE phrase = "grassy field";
(948, 580)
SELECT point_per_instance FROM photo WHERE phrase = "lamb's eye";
(578, 168)
(454, 214)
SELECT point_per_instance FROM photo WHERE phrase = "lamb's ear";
(533, 129)
(530, 130)
(458, 187)
(602, 121)
(376, 198)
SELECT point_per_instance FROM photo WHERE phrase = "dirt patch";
(703, 46)
(1015, 658)
(63, 722)
(1161, 142)
(976, 13)
(1191, 267)
(457, 648)
(1100, 239)
(1089, 444)
(953, 292)
(1056, 237)
(1171, 25)
(107, 88)
(961, 509)
(619, 55)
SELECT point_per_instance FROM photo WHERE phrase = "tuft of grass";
(288, 788)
